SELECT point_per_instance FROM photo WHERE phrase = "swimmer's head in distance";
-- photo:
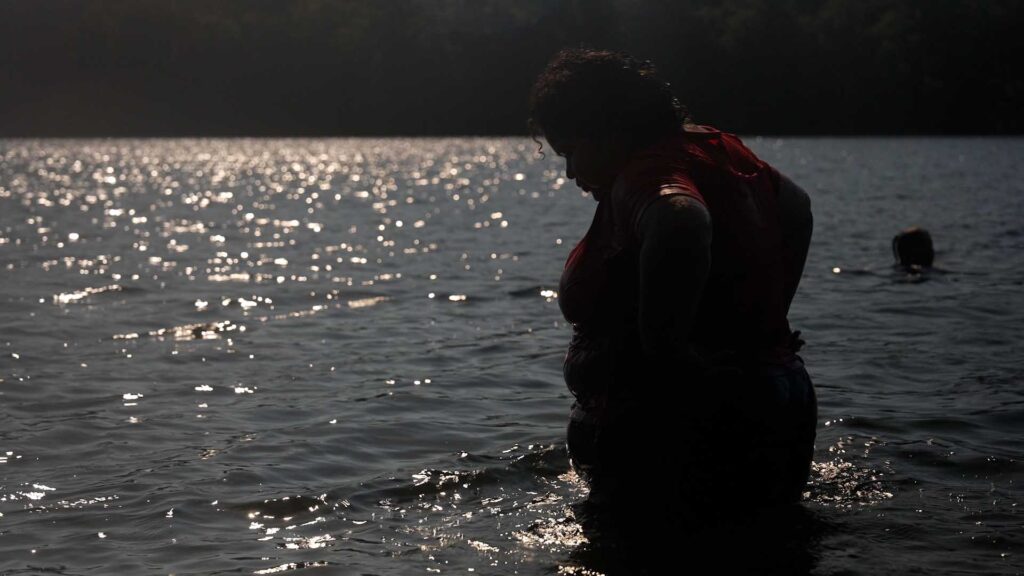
(913, 248)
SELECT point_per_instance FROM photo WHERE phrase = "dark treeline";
(410, 67)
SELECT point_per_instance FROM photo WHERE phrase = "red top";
(743, 306)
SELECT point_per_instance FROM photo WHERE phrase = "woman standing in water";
(687, 383)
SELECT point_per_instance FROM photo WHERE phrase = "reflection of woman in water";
(682, 362)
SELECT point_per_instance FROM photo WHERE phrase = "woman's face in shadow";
(593, 163)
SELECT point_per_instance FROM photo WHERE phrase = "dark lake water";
(344, 356)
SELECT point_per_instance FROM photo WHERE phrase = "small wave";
(199, 331)
(452, 297)
(292, 566)
(366, 302)
(69, 297)
(551, 532)
(214, 330)
(305, 313)
(842, 484)
(546, 293)
(455, 505)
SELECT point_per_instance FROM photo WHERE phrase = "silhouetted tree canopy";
(410, 67)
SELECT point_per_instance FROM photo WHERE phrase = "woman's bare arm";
(675, 255)
(797, 224)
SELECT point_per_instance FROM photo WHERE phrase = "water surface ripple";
(344, 356)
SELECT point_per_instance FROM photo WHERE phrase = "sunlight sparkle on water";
(218, 265)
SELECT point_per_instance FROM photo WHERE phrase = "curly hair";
(588, 93)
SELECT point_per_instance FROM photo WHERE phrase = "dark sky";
(430, 67)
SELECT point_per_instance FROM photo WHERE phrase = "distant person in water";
(689, 394)
(913, 249)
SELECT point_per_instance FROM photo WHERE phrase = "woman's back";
(743, 306)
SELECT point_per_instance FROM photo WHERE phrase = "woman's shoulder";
(661, 169)
(665, 162)
(702, 129)
(712, 150)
